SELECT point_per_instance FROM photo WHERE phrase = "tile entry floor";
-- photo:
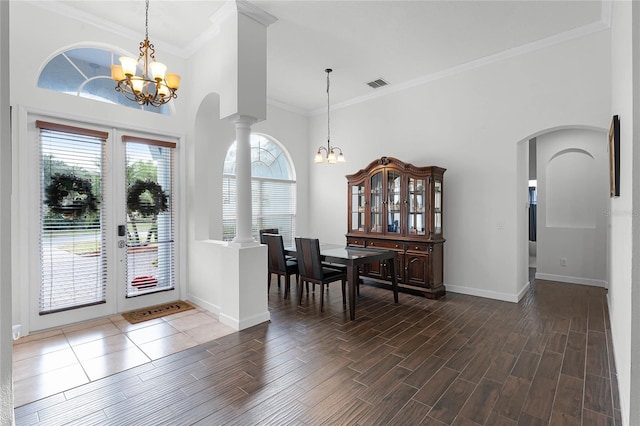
(52, 361)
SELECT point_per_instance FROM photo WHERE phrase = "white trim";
(606, 12)
(624, 409)
(289, 108)
(254, 12)
(524, 49)
(245, 323)
(571, 280)
(214, 309)
(488, 294)
(96, 121)
(524, 290)
(101, 23)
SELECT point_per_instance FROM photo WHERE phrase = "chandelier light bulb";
(157, 70)
(117, 73)
(173, 81)
(129, 65)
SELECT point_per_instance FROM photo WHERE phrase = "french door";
(105, 240)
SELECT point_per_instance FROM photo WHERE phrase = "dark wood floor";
(462, 360)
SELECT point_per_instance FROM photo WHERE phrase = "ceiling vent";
(377, 83)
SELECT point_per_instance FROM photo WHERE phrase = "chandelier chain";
(328, 115)
(334, 154)
(146, 20)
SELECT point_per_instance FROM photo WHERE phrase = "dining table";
(353, 258)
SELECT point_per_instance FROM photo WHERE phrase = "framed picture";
(614, 157)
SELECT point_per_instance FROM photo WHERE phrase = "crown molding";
(254, 12)
(524, 49)
(70, 12)
(228, 9)
(287, 107)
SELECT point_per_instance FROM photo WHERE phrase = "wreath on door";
(147, 198)
(70, 195)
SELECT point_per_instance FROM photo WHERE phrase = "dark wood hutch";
(398, 206)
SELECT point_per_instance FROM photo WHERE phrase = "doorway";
(101, 233)
(569, 167)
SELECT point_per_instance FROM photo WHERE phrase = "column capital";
(244, 121)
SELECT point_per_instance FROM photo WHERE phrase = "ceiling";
(403, 42)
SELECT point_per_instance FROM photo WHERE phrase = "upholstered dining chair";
(278, 263)
(312, 270)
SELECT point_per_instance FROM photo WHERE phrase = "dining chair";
(312, 270)
(278, 263)
(267, 231)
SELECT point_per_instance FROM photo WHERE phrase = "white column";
(243, 179)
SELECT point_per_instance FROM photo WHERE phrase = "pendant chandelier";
(155, 86)
(330, 151)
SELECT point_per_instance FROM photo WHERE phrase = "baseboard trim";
(245, 323)
(214, 309)
(571, 280)
(488, 294)
(524, 290)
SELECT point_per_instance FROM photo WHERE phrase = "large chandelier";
(155, 86)
(330, 151)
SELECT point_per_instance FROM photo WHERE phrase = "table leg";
(394, 278)
(352, 276)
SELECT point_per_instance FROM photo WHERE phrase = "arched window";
(273, 189)
(86, 72)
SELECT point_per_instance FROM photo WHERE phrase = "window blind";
(150, 225)
(72, 223)
(273, 204)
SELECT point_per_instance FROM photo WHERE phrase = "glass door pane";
(72, 236)
(417, 198)
(150, 231)
(376, 202)
(437, 207)
(393, 202)
(358, 202)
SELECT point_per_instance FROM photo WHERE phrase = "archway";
(571, 170)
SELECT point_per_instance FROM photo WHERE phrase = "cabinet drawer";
(355, 242)
(420, 248)
(385, 245)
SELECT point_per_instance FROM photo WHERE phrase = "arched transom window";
(86, 72)
(273, 188)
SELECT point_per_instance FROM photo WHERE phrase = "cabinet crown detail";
(397, 205)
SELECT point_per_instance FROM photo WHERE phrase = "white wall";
(623, 217)
(573, 194)
(6, 384)
(469, 123)
(522, 218)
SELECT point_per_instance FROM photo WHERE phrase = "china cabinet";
(399, 206)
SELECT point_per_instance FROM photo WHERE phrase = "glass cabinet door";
(375, 203)
(417, 198)
(393, 202)
(358, 202)
(437, 207)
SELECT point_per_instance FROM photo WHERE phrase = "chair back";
(267, 231)
(275, 246)
(309, 259)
